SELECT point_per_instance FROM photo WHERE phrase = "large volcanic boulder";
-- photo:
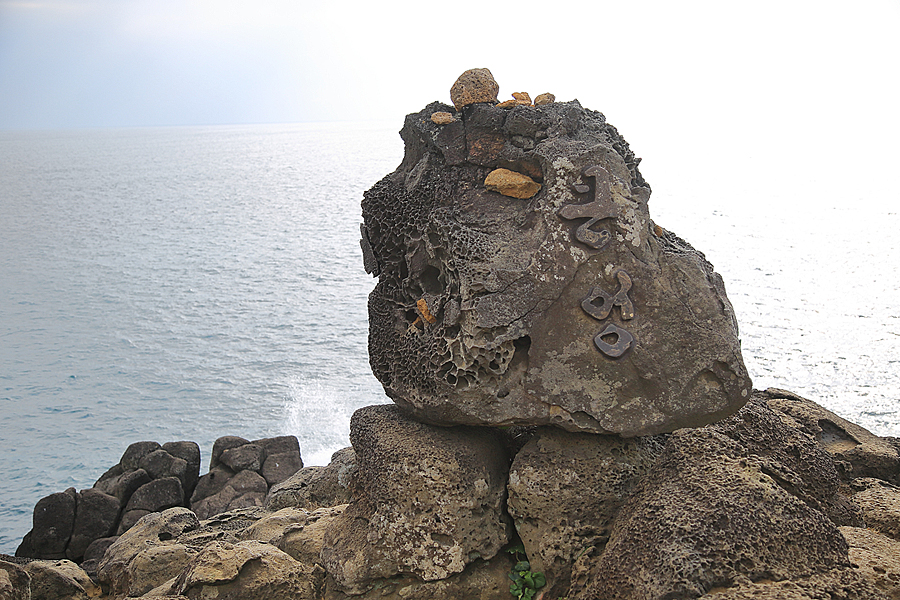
(499, 305)
(427, 501)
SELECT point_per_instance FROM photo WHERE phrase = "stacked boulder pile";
(572, 417)
(149, 478)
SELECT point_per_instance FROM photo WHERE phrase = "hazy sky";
(804, 83)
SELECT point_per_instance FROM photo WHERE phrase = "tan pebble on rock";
(442, 118)
(508, 103)
(512, 184)
(522, 98)
(475, 85)
(545, 98)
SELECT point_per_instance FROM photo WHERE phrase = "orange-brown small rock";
(442, 118)
(546, 98)
(522, 97)
(422, 305)
(512, 184)
(508, 103)
(475, 85)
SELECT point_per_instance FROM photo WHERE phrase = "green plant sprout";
(525, 582)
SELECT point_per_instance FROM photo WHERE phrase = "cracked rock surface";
(568, 308)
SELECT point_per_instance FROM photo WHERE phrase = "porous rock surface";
(701, 520)
(569, 308)
(427, 501)
(880, 505)
(876, 557)
(565, 490)
(314, 486)
(856, 451)
(475, 85)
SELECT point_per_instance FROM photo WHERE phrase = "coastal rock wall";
(751, 506)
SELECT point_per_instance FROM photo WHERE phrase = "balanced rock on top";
(570, 307)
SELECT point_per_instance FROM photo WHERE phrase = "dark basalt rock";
(53, 520)
(95, 517)
(571, 308)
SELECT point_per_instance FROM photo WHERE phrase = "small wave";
(318, 412)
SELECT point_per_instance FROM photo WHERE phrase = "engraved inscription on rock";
(569, 308)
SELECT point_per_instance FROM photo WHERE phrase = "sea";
(185, 283)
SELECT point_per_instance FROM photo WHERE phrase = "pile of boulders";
(572, 419)
(241, 473)
(149, 478)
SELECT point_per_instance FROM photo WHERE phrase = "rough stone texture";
(221, 445)
(858, 452)
(131, 458)
(880, 504)
(517, 287)
(701, 519)
(211, 483)
(156, 564)
(157, 495)
(162, 528)
(128, 483)
(190, 453)
(442, 118)
(789, 456)
(248, 569)
(314, 487)
(481, 580)
(281, 466)
(52, 523)
(15, 583)
(244, 489)
(298, 532)
(565, 490)
(837, 584)
(545, 98)
(522, 97)
(60, 580)
(426, 500)
(512, 184)
(877, 558)
(249, 457)
(94, 554)
(475, 85)
(108, 480)
(95, 517)
(160, 464)
(129, 518)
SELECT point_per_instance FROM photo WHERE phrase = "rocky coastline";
(572, 417)
(784, 499)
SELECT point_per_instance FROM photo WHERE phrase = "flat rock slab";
(568, 308)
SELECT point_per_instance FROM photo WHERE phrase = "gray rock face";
(53, 521)
(241, 473)
(701, 520)
(313, 487)
(857, 452)
(95, 518)
(570, 308)
(565, 490)
(426, 501)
